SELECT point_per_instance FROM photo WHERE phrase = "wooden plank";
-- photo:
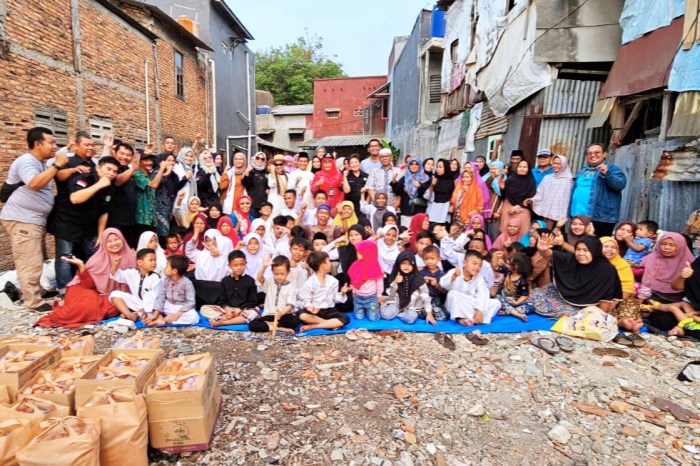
(665, 116)
(690, 23)
(630, 120)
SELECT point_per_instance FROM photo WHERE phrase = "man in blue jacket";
(598, 191)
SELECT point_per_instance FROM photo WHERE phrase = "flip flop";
(351, 335)
(623, 339)
(611, 352)
(364, 333)
(546, 344)
(476, 338)
(565, 343)
(638, 341)
(445, 339)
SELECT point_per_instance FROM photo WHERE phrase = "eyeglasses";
(259, 158)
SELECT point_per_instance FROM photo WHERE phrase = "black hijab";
(348, 254)
(485, 170)
(692, 285)
(410, 283)
(586, 285)
(388, 214)
(445, 185)
(520, 187)
(429, 173)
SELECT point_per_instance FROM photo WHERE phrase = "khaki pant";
(27, 246)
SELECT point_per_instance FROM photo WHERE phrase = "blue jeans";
(64, 271)
(362, 305)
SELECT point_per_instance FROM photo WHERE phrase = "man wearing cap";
(380, 179)
(544, 165)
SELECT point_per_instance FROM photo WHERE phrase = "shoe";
(11, 291)
(50, 294)
(46, 307)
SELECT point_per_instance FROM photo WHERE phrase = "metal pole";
(148, 108)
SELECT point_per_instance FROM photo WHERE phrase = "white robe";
(465, 297)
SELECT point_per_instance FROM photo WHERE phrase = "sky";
(356, 33)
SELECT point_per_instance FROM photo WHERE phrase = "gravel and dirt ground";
(409, 401)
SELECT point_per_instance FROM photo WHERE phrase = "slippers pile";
(553, 345)
(356, 334)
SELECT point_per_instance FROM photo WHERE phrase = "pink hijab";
(99, 266)
(487, 240)
(485, 193)
(367, 268)
(499, 243)
(660, 271)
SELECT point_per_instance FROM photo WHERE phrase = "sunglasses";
(279, 165)
(259, 158)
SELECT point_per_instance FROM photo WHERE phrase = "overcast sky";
(358, 32)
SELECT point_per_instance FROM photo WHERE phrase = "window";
(385, 109)
(179, 75)
(55, 120)
(99, 126)
(358, 112)
(453, 50)
(296, 137)
(435, 88)
(332, 113)
(140, 142)
(510, 4)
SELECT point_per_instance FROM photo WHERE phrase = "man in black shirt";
(80, 211)
(122, 214)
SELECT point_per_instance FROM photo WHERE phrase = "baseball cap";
(544, 153)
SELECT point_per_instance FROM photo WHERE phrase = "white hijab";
(254, 262)
(268, 239)
(387, 254)
(216, 179)
(212, 268)
(161, 260)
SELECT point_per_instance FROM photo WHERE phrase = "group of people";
(278, 242)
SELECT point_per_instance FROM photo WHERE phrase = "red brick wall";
(347, 94)
(110, 50)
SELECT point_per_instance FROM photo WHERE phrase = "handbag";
(7, 189)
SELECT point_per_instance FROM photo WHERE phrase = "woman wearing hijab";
(278, 182)
(510, 235)
(534, 226)
(411, 188)
(208, 180)
(466, 201)
(551, 201)
(212, 265)
(624, 271)
(185, 211)
(579, 227)
(166, 193)
(185, 168)
(316, 164)
(481, 166)
(87, 296)
(584, 278)
(492, 180)
(388, 247)
(439, 193)
(213, 215)
(231, 184)
(241, 218)
(390, 218)
(686, 313)
(517, 188)
(225, 226)
(254, 254)
(418, 223)
(199, 223)
(622, 230)
(485, 193)
(662, 266)
(346, 216)
(256, 183)
(429, 166)
(329, 180)
(149, 239)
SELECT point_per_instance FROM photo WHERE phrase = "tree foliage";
(288, 72)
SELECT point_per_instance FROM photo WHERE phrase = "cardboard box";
(184, 420)
(86, 350)
(15, 380)
(64, 399)
(85, 386)
(205, 363)
(5, 399)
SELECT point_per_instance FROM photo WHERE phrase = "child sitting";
(143, 286)
(367, 280)
(375, 212)
(319, 241)
(317, 297)
(408, 293)
(468, 299)
(173, 246)
(280, 299)
(516, 290)
(495, 258)
(175, 303)
(239, 294)
(640, 245)
(432, 274)
(299, 272)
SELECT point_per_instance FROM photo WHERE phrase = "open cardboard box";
(15, 380)
(64, 399)
(184, 420)
(85, 386)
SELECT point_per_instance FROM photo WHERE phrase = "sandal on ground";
(638, 341)
(445, 339)
(623, 339)
(364, 333)
(611, 352)
(351, 335)
(395, 334)
(476, 338)
(566, 344)
(546, 344)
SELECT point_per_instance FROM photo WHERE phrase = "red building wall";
(347, 94)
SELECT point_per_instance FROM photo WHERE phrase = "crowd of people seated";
(282, 241)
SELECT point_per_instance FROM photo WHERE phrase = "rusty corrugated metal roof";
(686, 116)
(682, 164)
(644, 63)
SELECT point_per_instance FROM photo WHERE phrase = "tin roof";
(305, 109)
(342, 141)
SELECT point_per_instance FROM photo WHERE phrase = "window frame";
(179, 75)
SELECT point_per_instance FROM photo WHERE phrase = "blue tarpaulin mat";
(500, 324)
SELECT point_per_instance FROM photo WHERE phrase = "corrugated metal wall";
(670, 203)
(568, 135)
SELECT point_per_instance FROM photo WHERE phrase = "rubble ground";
(409, 401)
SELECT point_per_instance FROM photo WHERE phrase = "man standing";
(598, 191)
(370, 163)
(544, 165)
(516, 155)
(301, 177)
(168, 147)
(25, 212)
(380, 179)
(80, 210)
(122, 215)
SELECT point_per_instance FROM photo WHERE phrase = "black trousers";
(260, 324)
(330, 313)
(603, 229)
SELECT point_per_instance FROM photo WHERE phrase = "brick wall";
(39, 72)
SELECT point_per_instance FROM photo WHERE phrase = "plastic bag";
(124, 427)
(67, 441)
(590, 323)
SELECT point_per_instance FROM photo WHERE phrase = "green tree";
(288, 72)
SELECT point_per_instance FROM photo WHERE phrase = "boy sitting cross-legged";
(142, 282)
(175, 303)
(238, 294)
(280, 298)
(318, 296)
